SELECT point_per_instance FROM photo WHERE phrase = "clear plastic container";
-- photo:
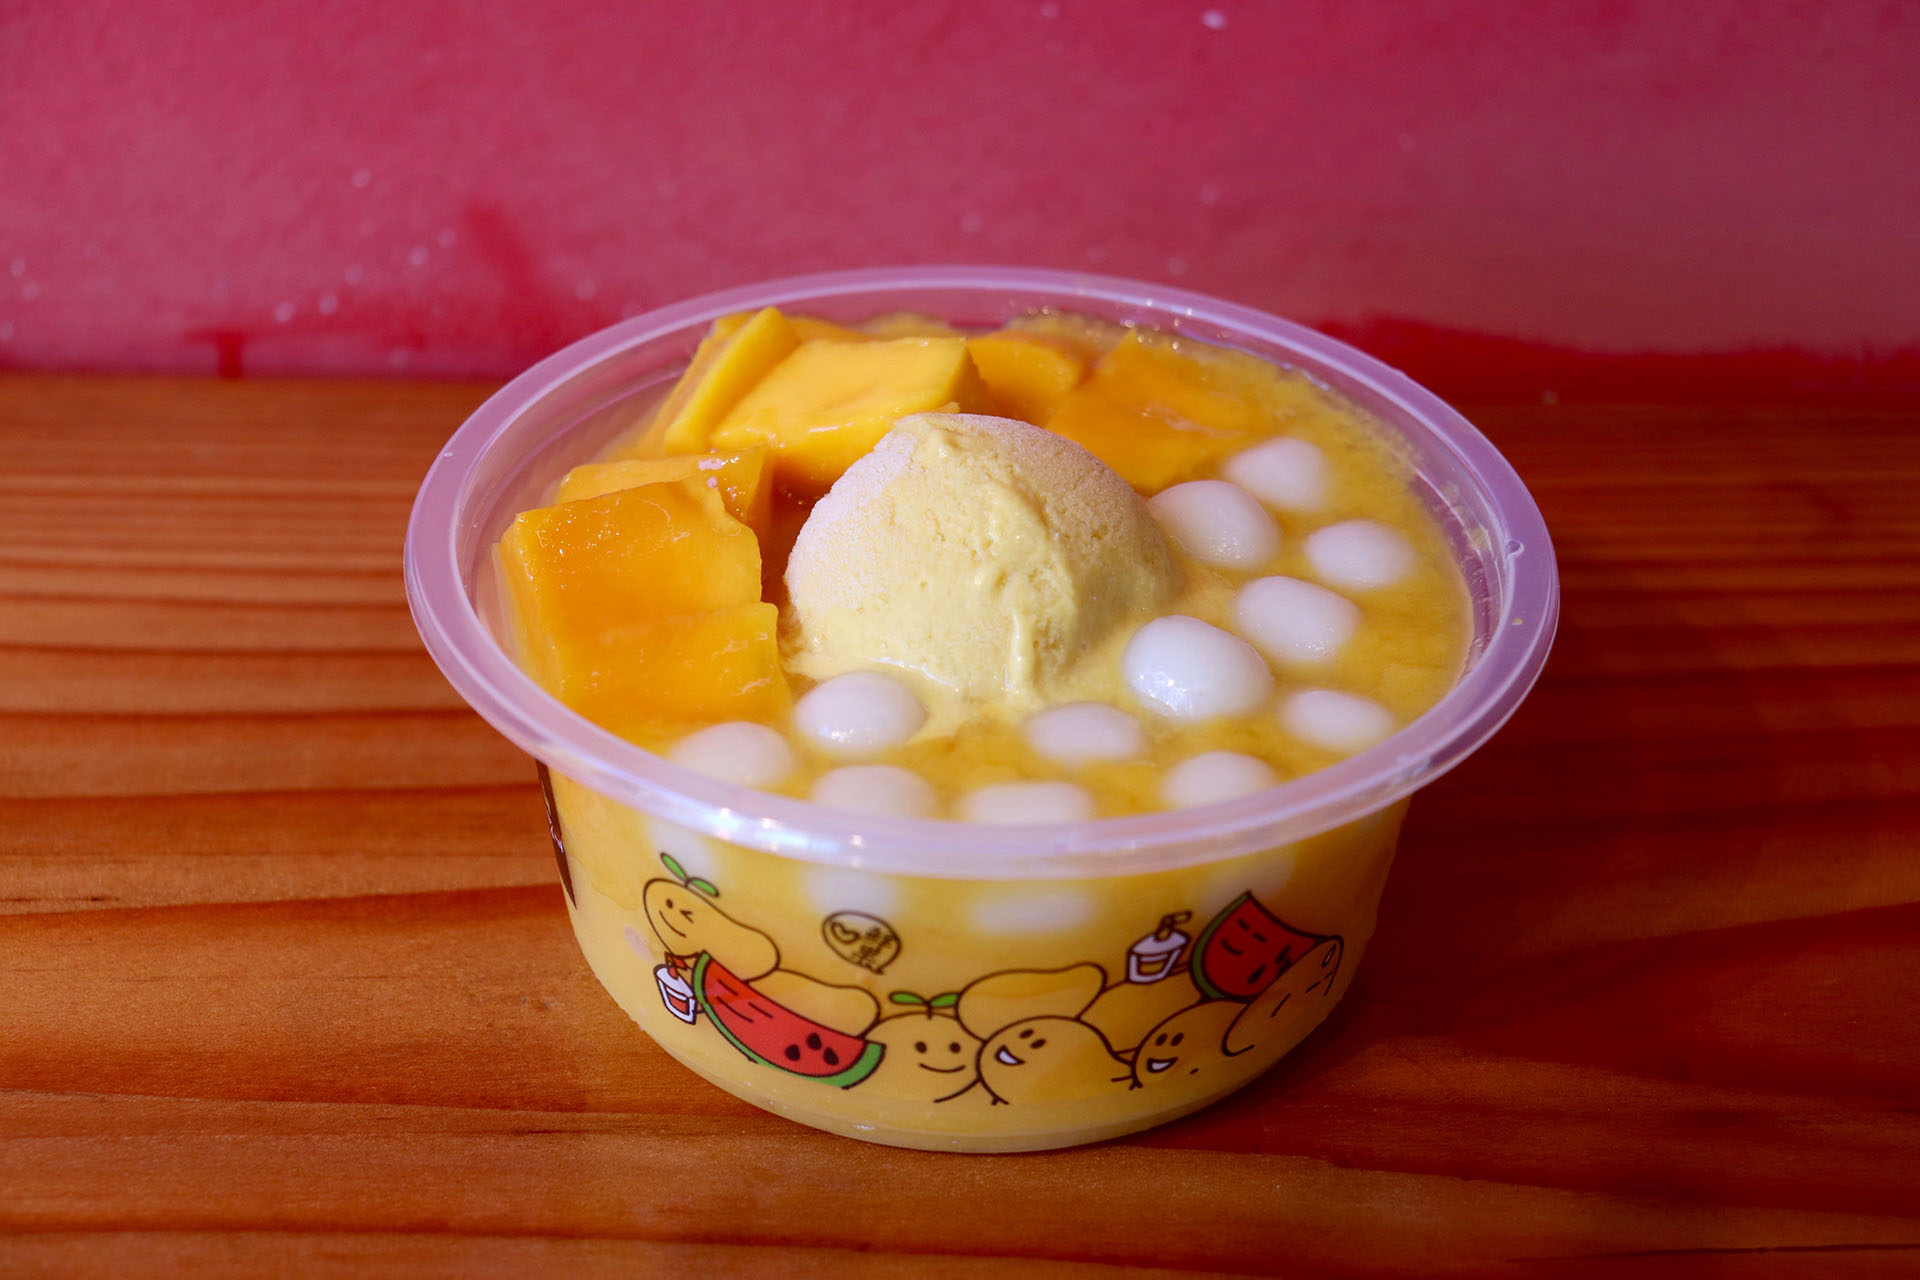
(936, 984)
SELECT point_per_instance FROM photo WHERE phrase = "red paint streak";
(229, 346)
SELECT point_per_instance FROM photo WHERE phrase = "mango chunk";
(813, 328)
(641, 609)
(1088, 335)
(1158, 415)
(743, 480)
(1028, 374)
(652, 679)
(575, 570)
(729, 361)
(825, 405)
(906, 324)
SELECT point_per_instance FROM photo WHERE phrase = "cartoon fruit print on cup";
(1014, 1037)
(775, 1036)
(775, 1016)
(931, 1056)
(1244, 949)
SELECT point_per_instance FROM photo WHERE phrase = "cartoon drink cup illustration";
(677, 994)
(1177, 604)
(1154, 956)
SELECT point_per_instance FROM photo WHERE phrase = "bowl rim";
(1524, 618)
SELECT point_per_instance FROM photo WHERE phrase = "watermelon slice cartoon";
(775, 1036)
(1240, 953)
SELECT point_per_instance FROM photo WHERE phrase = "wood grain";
(286, 986)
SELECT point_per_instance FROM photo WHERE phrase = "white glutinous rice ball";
(858, 714)
(1190, 670)
(738, 751)
(1218, 523)
(1337, 721)
(1020, 804)
(1289, 474)
(882, 789)
(1295, 621)
(1081, 731)
(1215, 776)
(1359, 554)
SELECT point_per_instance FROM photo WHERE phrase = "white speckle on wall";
(328, 304)
(417, 256)
(282, 312)
(354, 274)
(363, 178)
(1213, 20)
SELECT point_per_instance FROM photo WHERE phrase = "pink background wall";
(455, 189)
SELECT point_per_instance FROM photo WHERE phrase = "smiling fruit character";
(930, 1056)
(1307, 984)
(1126, 1011)
(1050, 1060)
(687, 922)
(1186, 1045)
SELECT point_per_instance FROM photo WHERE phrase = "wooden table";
(285, 979)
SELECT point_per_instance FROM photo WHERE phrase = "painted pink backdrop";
(454, 189)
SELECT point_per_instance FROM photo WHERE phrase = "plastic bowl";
(936, 984)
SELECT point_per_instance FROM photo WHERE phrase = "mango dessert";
(1051, 573)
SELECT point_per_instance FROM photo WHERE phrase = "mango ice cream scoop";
(987, 555)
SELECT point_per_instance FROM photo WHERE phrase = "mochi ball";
(1190, 670)
(1028, 804)
(739, 751)
(858, 714)
(1285, 473)
(1295, 621)
(1218, 523)
(883, 790)
(1077, 732)
(1359, 554)
(1343, 722)
(1215, 776)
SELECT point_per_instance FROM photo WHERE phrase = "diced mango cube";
(652, 679)
(826, 405)
(728, 363)
(642, 608)
(743, 480)
(576, 569)
(1028, 374)
(1158, 415)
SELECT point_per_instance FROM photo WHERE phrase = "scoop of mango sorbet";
(990, 556)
